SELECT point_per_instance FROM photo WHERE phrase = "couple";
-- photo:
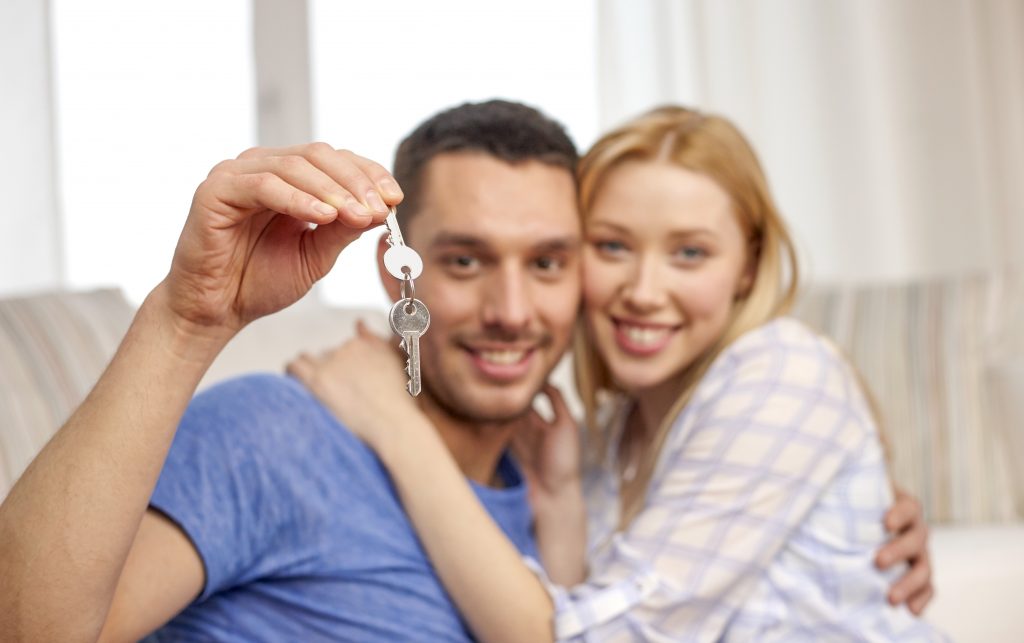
(734, 481)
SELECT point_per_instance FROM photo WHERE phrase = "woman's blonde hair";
(712, 146)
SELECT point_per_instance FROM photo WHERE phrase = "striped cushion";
(53, 347)
(929, 352)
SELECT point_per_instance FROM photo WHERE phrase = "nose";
(507, 303)
(645, 292)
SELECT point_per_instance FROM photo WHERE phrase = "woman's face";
(664, 257)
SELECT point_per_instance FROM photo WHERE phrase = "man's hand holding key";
(262, 229)
(248, 248)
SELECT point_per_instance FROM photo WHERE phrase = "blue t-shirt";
(300, 528)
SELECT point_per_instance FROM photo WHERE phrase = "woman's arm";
(500, 597)
(549, 454)
(728, 500)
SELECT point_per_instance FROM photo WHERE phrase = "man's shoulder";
(262, 391)
(261, 411)
(260, 397)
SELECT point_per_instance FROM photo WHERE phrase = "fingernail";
(375, 202)
(357, 208)
(324, 209)
(336, 200)
(390, 188)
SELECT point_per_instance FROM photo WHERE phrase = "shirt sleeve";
(216, 485)
(768, 430)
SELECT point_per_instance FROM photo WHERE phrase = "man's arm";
(76, 515)
(162, 575)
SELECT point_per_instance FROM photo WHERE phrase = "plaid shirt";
(763, 516)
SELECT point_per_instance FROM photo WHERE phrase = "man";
(269, 520)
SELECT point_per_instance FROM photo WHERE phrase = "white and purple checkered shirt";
(762, 519)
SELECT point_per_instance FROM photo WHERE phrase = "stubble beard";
(467, 413)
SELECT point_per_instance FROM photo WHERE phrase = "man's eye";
(461, 264)
(549, 264)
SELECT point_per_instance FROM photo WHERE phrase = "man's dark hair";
(511, 132)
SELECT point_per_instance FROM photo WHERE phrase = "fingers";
(906, 520)
(904, 513)
(907, 546)
(916, 581)
(265, 191)
(387, 185)
(307, 177)
(323, 245)
(367, 182)
(301, 368)
(558, 404)
(920, 601)
(364, 332)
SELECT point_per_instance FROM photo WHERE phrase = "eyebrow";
(683, 232)
(456, 239)
(556, 244)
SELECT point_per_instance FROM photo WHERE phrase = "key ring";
(412, 291)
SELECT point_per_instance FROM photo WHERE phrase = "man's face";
(500, 245)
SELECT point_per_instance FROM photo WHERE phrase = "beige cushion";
(927, 351)
(308, 326)
(53, 347)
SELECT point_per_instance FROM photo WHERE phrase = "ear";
(391, 285)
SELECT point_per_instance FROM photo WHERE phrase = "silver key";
(410, 319)
(394, 232)
(400, 260)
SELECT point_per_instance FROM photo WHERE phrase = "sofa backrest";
(940, 357)
(943, 360)
(53, 347)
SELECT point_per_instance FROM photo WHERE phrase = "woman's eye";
(610, 247)
(691, 253)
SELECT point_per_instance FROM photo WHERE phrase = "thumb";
(325, 243)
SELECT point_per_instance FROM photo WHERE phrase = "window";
(148, 98)
(379, 68)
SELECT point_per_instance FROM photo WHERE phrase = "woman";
(736, 485)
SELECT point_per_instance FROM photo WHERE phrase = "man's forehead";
(476, 198)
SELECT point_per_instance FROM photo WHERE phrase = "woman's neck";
(653, 404)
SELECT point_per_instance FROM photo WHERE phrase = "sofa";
(943, 358)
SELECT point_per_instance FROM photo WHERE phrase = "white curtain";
(892, 131)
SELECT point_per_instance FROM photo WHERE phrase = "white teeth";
(644, 336)
(503, 358)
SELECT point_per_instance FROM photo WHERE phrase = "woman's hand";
(549, 451)
(362, 382)
(549, 455)
(909, 544)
